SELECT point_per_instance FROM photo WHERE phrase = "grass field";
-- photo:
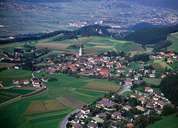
(134, 65)
(19, 91)
(64, 94)
(56, 46)
(6, 65)
(92, 45)
(173, 38)
(13, 74)
(152, 81)
(175, 65)
(5, 95)
(44, 106)
(167, 122)
(99, 86)
(11, 45)
(161, 65)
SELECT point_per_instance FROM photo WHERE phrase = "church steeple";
(80, 50)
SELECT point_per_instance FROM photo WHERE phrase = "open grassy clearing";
(142, 51)
(18, 91)
(175, 65)
(5, 96)
(46, 117)
(12, 45)
(161, 65)
(50, 119)
(72, 102)
(64, 94)
(98, 85)
(9, 46)
(12, 74)
(167, 122)
(152, 81)
(134, 65)
(94, 93)
(6, 65)
(56, 46)
(44, 106)
(128, 46)
(92, 44)
(173, 38)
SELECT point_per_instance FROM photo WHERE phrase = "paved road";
(65, 120)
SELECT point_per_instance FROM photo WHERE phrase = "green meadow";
(173, 38)
(92, 45)
(61, 88)
(13, 74)
(166, 122)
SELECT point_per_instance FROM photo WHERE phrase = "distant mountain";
(162, 3)
(38, 1)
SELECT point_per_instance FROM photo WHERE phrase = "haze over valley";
(31, 16)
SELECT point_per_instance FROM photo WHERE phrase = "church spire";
(80, 50)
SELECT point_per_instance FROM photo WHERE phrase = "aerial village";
(114, 109)
(117, 111)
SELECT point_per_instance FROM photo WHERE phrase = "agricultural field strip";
(44, 106)
(91, 90)
(70, 102)
(53, 46)
(103, 88)
(83, 94)
(48, 116)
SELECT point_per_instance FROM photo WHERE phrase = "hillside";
(142, 33)
(173, 39)
(92, 45)
(151, 35)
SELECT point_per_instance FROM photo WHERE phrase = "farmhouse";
(98, 119)
(130, 125)
(104, 72)
(148, 89)
(36, 82)
(105, 103)
(21, 82)
(140, 108)
(92, 125)
(116, 115)
(128, 83)
(77, 125)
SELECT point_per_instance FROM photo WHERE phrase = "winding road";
(65, 120)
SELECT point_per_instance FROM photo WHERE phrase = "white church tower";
(80, 50)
